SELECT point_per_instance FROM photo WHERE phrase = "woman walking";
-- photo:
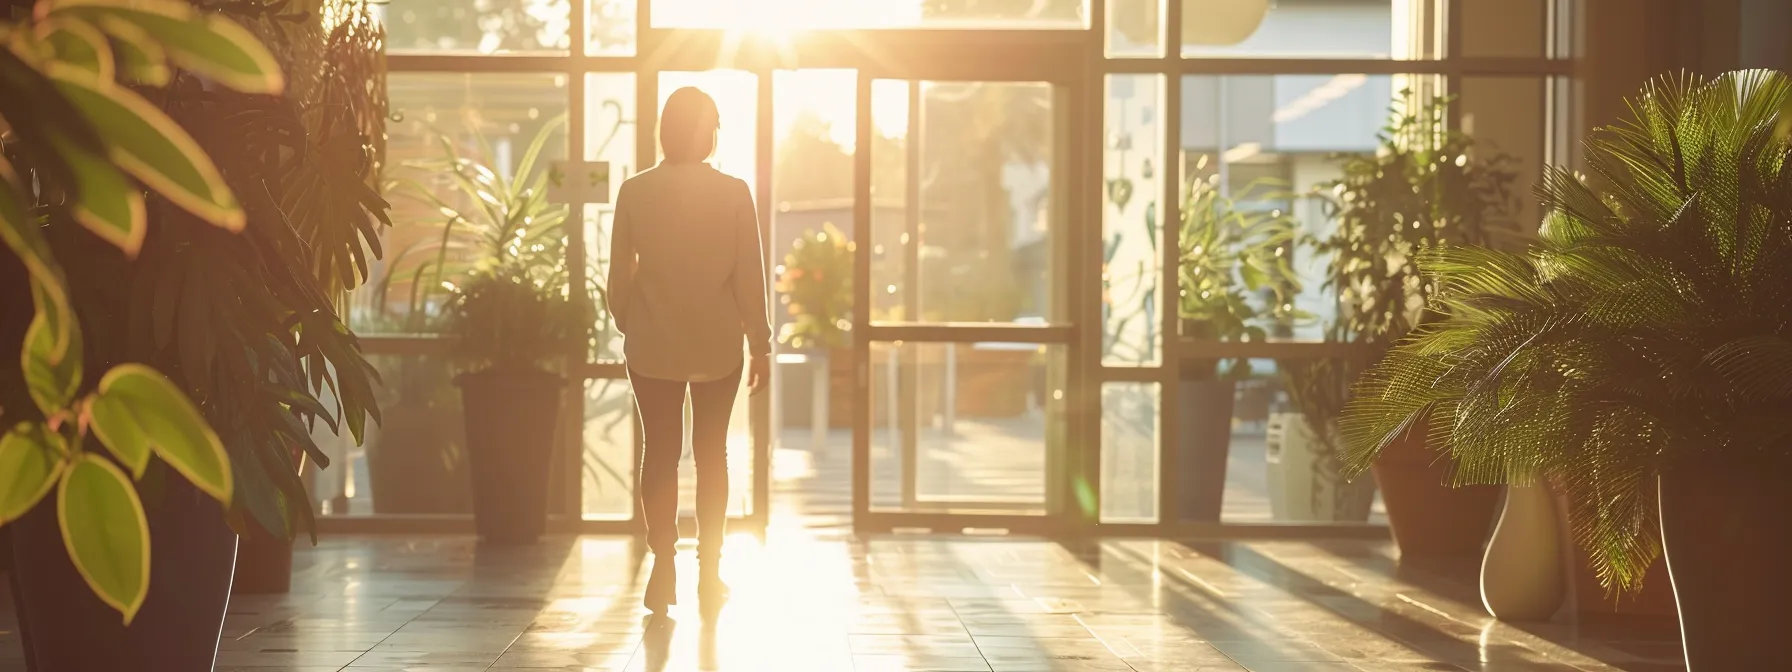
(687, 288)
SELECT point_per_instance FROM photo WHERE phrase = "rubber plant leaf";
(19, 234)
(105, 531)
(76, 43)
(108, 203)
(206, 44)
(141, 57)
(136, 404)
(51, 380)
(31, 461)
(150, 146)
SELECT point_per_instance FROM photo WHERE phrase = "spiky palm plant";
(1650, 325)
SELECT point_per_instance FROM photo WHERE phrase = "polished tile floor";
(803, 602)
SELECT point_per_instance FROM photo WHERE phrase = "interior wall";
(1623, 43)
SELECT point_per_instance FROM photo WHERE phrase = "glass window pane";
(778, 15)
(965, 222)
(477, 26)
(1129, 444)
(610, 28)
(1509, 28)
(1506, 116)
(1308, 28)
(1132, 263)
(1247, 456)
(413, 461)
(962, 427)
(487, 120)
(609, 136)
(1135, 28)
(812, 180)
(1262, 146)
(607, 484)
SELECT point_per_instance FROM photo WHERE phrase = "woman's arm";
(622, 262)
(749, 276)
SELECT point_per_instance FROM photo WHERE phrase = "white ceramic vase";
(1522, 576)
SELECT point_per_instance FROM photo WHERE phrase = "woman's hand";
(759, 374)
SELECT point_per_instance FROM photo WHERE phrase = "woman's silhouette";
(687, 288)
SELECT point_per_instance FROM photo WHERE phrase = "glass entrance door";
(962, 331)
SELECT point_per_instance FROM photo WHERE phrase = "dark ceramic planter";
(1593, 604)
(409, 460)
(1206, 426)
(192, 554)
(263, 565)
(1429, 518)
(1727, 528)
(512, 417)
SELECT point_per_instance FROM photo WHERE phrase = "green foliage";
(488, 222)
(815, 285)
(31, 463)
(106, 531)
(136, 412)
(1234, 278)
(508, 317)
(1426, 185)
(163, 301)
(1647, 328)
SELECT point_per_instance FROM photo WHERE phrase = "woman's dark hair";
(688, 124)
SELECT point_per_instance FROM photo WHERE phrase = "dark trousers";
(660, 404)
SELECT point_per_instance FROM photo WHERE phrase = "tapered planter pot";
(263, 565)
(1429, 518)
(192, 553)
(1727, 528)
(1521, 573)
(1206, 417)
(512, 416)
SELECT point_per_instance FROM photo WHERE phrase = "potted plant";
(1426, 185)
(1638, 355)
(510, 325)
(1233, 279)
(419, 464)
(815, 286)
(172, 312)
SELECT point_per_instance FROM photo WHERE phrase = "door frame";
(1071, 231)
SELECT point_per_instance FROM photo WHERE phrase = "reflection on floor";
(893, 603)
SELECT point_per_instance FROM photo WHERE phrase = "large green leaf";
(110, 205)
(19, 233)
(30, 463)
(152, 147)
(78, 44)
(106, 532)
(135, 404)
(115, 425)
(139, 54)
(205, 43)
(51, 379)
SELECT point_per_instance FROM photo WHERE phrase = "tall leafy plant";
(490, 218)
(1649, 327)
(1426, 185)
(1234, 276)
(167, 306)
(509, 318)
